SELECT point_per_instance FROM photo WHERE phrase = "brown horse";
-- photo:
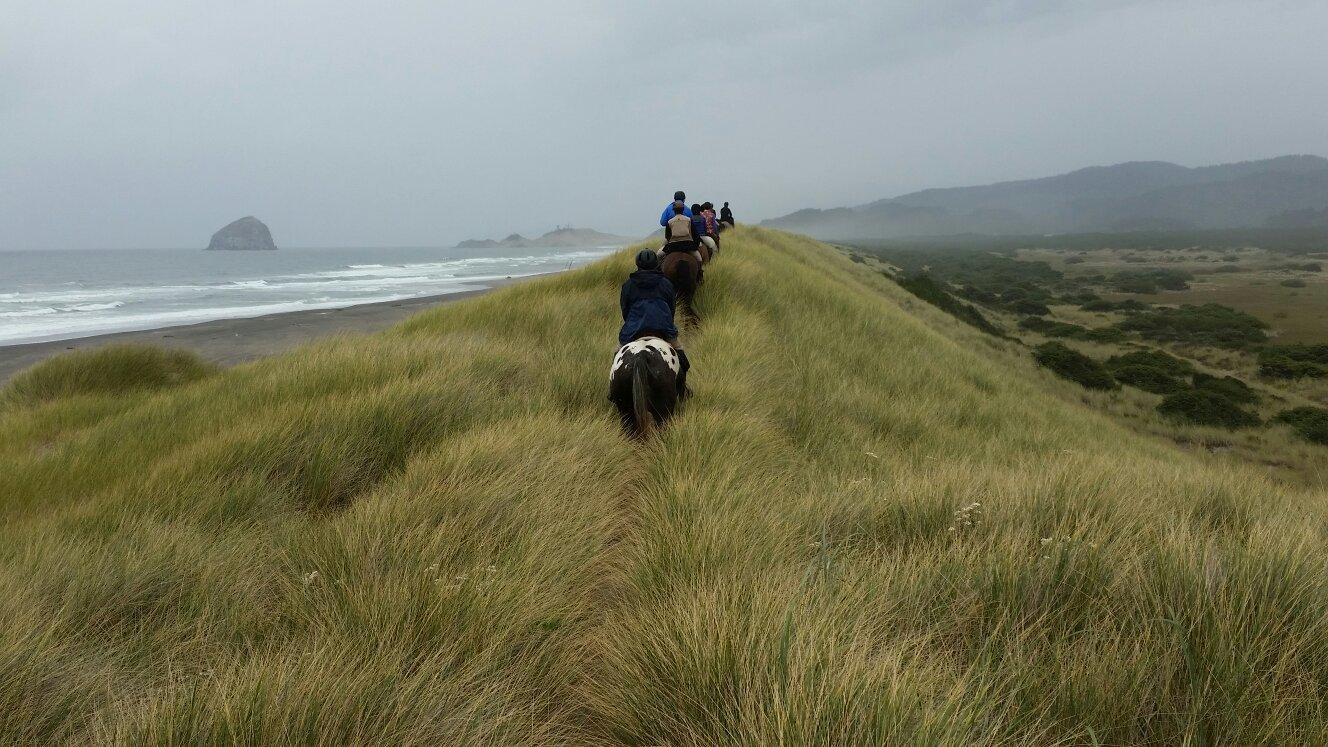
(682, 269)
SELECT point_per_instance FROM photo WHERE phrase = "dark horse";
(643, 383)
(682, 269)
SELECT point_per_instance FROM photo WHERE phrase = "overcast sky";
(153, 123)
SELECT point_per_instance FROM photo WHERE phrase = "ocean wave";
(49, 310)
(65, 311)
(62, 328)
(95, 306)
(103, 295)
(23, 313)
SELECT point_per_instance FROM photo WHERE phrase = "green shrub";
(931, 291)
(1198, 407)
(1170, 364)
(1293, 361)
(111, 369)
(1127, 305)
(973, 293)
(1294, 283)
(1151, 281)
(1080, 298)
(1073, 365)
(1304, 353)
(1209, 324)
(1052, 328)
(1028, 306)
(1227, 386)
(1102, 334)
(1285, 368)
(1310, 422)
(1148, 378)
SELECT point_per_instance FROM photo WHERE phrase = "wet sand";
(231, 341)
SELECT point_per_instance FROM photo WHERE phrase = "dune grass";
(871, 525)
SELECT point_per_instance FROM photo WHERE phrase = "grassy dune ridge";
(438, 535)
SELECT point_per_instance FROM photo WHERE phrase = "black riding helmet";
(646, 259)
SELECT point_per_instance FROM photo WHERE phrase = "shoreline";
(228, 342)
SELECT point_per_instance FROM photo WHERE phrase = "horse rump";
(643, 386)
(682, 269)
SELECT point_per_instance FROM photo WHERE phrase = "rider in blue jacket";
(647, 302)
(679, 200)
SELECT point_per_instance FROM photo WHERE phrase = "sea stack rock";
(247, 233)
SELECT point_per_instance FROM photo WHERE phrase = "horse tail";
(688, 269)
(645, 420)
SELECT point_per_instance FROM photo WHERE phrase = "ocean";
(64, 294)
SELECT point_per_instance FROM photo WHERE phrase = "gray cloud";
(152, 123)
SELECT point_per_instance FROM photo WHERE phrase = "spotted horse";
(643, 383)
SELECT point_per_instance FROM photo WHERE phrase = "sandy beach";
(231, 341)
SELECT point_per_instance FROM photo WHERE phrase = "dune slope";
(872, 525)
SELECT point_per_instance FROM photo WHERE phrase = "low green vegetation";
(1209, 324)
(1073, 365)
(1052, 328)
(871, 525)
(1127, 305)
(1103, 295)
(1152, 358)
(1230, 387)
(1310, 422)
(1202, 407)
(1151, 280)
(930, 291)
(1148, 378)
(108, 370)
(1293, 361)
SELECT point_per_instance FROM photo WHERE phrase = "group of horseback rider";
(649, 299)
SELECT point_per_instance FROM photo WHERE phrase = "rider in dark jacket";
(647, 301)
(698, 222)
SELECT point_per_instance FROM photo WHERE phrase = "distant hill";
(559, 237)
(1136, 196)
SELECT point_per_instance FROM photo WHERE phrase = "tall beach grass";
(871, 525)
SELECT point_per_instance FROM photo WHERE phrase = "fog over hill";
(1152, 195)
